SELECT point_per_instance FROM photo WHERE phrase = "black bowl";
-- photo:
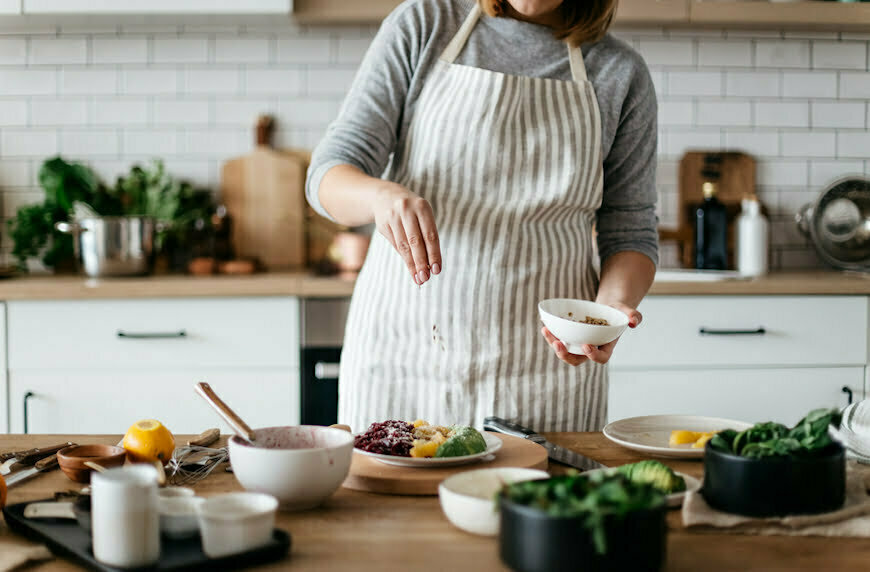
(532, 541)
(775, 486)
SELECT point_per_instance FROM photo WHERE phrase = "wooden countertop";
(362, 531)
(307, 285)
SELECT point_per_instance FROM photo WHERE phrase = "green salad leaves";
(806, 439)
(593, 497)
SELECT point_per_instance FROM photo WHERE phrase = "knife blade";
(554, 452)
(40, 466)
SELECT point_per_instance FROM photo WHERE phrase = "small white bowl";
(236, 522)
(299, 465)
(563, 317)
(178, 516)
(468, 498)
(175, 492)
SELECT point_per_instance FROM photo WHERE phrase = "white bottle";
(752, 233)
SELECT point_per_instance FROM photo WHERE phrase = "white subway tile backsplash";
(838, 114)
(694, 83)
(180, 50)
(855, 85)
(853, 144)
(14, 200)
(58, 112)
(120, 112)
(86, 143)
(752, 84)
(13, 51)
(758, 143)
(112, 50)
(679, 52)
(840, 55)
(678, 142)
(220, 142)
(174, 112)
(782, 173)
(782, 114)
(725, 113)
(725, 53)
(28, 142)
(331, 81)
(27, 82)
(676, 112)
(809, 84)
(15, 173)
(809, 144)
(150, 142)
(150, 81)
(88, 81)
(823, 173)
(242, 112)
(212, 81)
(13, 112)
(782, 54)
(279, 81)
(308, 112)
(58, 51)
(193, 171)
(304, 50)
(352, 50)
(242, 50)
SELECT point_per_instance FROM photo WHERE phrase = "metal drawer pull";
(325, 370)
(152, 335)
(708, 332)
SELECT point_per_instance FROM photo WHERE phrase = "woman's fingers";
(561, 351)
(634, 317)
(430, 237)
(419, 256)
(600, 354)
(402, 246)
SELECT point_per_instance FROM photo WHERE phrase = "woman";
(508, 129)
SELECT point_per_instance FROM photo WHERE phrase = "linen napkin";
(853, 519)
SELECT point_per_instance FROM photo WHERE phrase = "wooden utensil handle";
(205, 438)
(224, 410)
(46, 464)
(31, 456)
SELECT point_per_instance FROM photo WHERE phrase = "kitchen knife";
(18, 459)
(554, 452)
(45, 464)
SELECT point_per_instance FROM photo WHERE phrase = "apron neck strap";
(456, 45)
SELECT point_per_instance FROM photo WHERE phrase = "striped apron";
(512, 168)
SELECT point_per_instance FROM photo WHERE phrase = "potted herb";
(595, 521)
(772, 470)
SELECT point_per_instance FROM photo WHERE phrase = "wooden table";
(361, 531)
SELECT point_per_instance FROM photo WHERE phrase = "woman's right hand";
(406, 220)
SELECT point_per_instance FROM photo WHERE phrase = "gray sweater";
(382, 101)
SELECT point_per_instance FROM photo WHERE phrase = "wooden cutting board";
(264, 192)
(368, 474)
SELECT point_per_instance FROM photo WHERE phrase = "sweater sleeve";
(367, 127)
(627, 217)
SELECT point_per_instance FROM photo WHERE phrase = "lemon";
(681, 437)
(149, 440)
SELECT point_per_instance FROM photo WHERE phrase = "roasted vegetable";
(654, 473)
(807, 438)
(462, 441)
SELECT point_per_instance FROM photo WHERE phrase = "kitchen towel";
(851, 520)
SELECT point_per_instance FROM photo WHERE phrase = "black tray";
(66, 538)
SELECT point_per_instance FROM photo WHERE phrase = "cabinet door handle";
(152, 335)
(712, 332)
(27, 396)
(849, 394)
(326, 370)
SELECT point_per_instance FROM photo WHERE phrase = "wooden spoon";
(95, 466)
(235, 422)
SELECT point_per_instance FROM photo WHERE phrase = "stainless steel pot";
(838, 223)
(112, 246)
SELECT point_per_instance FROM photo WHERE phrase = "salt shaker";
(752, 237)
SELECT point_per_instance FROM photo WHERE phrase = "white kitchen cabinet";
(752, 395)
(99, 365)
(10, 7)
(158, 7)
(110, 401)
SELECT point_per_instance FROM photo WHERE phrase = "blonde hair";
(582, 20)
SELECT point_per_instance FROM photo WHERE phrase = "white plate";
(493, 444)
(673, 499)
(650, 434)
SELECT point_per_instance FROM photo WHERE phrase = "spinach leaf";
(769, 439)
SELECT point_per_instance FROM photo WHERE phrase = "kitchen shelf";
(809, 14)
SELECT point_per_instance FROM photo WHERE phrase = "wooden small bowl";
(72, 460)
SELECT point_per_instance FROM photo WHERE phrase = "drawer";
(701, 331)
(76, 402)
(751, 395)
(173, 333)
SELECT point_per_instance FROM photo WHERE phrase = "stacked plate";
(854, 432)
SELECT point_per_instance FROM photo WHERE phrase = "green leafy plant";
(808, 438)
(146, 191)
(593, 497)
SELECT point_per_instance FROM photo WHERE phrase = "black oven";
(322, 334)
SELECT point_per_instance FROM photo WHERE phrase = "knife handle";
(31, 456)
(500, 425)
(46, 464)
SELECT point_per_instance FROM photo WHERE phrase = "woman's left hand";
(600, 354)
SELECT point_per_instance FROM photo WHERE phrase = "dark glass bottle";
(711, 228)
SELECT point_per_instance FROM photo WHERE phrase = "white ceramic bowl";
(178, 516)
(561, 316)
(468, 498)
(301, 466)
(175, 492)
(236, 522)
